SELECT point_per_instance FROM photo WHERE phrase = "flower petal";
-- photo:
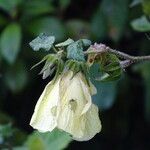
(93, 89)
(75, 103)
(68, 121)
(44, 117)
(87, 95)
(91, 123)
(74, 88)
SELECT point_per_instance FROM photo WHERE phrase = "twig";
(128, 59)
(54, 49)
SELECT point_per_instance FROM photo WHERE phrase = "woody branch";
(127, 59)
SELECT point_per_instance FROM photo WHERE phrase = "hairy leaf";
(42, 42)
(65, 43)
(75, 51)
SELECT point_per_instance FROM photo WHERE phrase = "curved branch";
(129, 57)
(102, 48)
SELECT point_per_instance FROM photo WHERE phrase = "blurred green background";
(124, 105)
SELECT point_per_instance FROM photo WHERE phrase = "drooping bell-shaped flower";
(66, 104)
(78, 116)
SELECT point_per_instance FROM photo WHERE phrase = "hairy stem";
(101, 48)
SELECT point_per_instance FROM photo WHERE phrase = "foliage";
(10, 42)
(141, 24)
(42, 41)
(119, 24)
(44, 141)
(112, 21)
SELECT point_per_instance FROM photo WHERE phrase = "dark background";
(124, 105)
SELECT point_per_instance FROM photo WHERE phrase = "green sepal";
(77, 66)
(60, 67)
(44, 59)
(106, 77)
(52, 62)
(85, 70)
(109, 68)
(72, 65)
(112, 67)
(49, 67)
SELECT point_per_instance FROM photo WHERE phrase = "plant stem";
(54, 49)
(101, 48)
(129, 57)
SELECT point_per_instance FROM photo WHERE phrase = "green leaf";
(55, 140)
(75, 51)
(20, 148)
(86, 42)
(9, 134)
(16, 77)
(116, 12)
(135, 2)
(64, 3)
(106, 92)
(146, 6)
(65, 43)
(19, 136)
(10, 42)
(99, 25)
(141, 24)
(3, 20)
(42, 42)
(49, 25)
(6, 131)
(37, 7)
(9, 5)
(111, 18)
(106, 95)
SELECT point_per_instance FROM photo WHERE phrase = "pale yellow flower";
(67, 105)
(44, 117)
(78, 116)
